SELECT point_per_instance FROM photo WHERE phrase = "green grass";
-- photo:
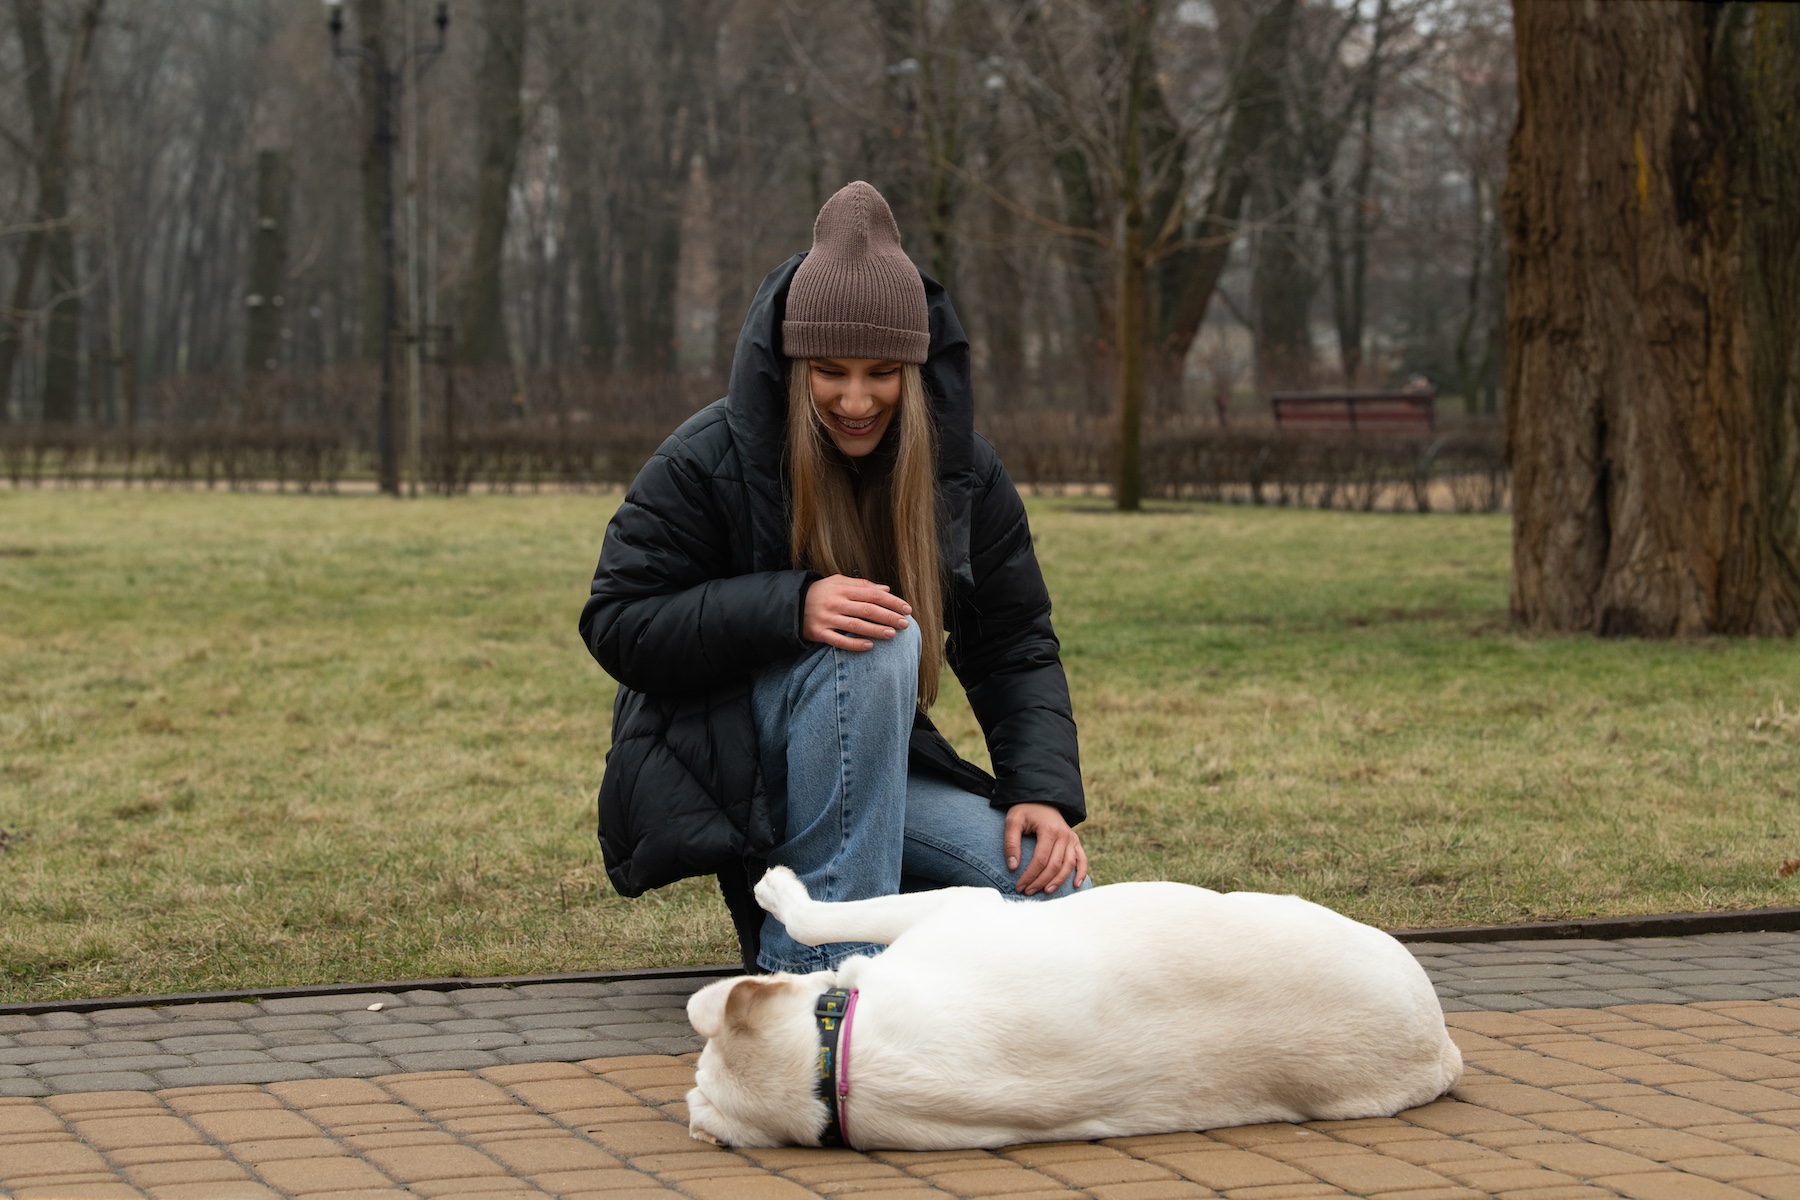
(258, 740)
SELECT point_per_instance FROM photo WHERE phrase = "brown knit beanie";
(857, 295)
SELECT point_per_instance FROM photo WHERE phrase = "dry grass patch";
(258, 740)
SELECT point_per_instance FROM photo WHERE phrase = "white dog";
(1129, 1009)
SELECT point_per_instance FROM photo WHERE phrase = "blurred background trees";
(1226, 196)
(1152, 214)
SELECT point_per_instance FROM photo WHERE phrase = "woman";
(773, 594)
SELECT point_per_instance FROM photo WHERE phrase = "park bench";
(1356, 412)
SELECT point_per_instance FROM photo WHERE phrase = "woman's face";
(856, 398)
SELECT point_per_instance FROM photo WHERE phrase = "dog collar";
(834, 1012)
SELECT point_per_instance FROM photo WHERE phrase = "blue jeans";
(834, 727)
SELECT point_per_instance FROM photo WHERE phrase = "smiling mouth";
(856, 428)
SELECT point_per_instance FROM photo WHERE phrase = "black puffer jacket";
(696, 591)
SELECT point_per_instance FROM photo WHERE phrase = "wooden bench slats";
(1356, 412)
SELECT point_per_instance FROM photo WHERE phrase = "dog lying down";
(1129, 1009)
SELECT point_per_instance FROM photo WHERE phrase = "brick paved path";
(1515, 976)
(1651, 1101)
(142, 1049)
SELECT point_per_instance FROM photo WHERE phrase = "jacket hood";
(756, 411)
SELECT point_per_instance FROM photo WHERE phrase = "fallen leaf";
(1787, 868)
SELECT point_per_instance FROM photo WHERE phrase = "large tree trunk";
(1653, 310)
(483, 341)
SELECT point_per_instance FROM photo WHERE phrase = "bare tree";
(50, 125)
(483, 335)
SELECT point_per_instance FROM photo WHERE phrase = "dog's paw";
(780, 892)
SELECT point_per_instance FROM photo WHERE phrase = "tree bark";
(502, 73)
(50, 126)
(1653, 308)
(371, 30)
(1128, 480)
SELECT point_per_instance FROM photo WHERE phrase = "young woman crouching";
(776, 596)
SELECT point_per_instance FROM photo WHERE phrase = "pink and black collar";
(834, 1012)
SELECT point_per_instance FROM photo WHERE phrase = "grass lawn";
(256, 740)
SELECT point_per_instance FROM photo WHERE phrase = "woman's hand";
(846, 613)
(1058, 853)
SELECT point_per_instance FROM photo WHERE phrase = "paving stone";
(119, 1049)
(122, 1033)
(1583, 998)
(462, 996)
(220, 1010)
(1502, 1003)
(638, 1033)
(102, 1081)
(682, 985)
(219, 1058)
(446, 1060)
(1727, 992)
(355, 1068)
(184, 1029)
(318, 1051)
(23, 1087)
(433, 1014)
(385, 1029)
(212, 1041)
(291, 1022)
(579, 1019)
(567, 1051)
(63, 1020)
(688, 1043)
(124, 1016)
(88, 1066)
(325, 1004)
(40, 1055)
(1687, 979)
(535, 991)
(55, 1037)
(473, 1025)
(426, 996)
(554, 1034)
(363, 1016)
(412, 1046)
(270, 1072)
(18, 1023)
(523, 1006)
(301, 1037)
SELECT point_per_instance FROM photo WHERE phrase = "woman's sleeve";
(1003, 650)
(665, 613)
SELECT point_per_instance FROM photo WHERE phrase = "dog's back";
(1135, 1008)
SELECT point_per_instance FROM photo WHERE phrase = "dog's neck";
(834, 1010)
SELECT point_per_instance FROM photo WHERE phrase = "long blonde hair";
(893, 538)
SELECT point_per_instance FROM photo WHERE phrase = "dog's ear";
(730, 1003)
(748, 996)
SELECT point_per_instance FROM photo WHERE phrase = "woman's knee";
(894, 659)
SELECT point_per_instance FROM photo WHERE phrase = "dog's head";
(755, 1082)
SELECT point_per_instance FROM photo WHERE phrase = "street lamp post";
(388, 83)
